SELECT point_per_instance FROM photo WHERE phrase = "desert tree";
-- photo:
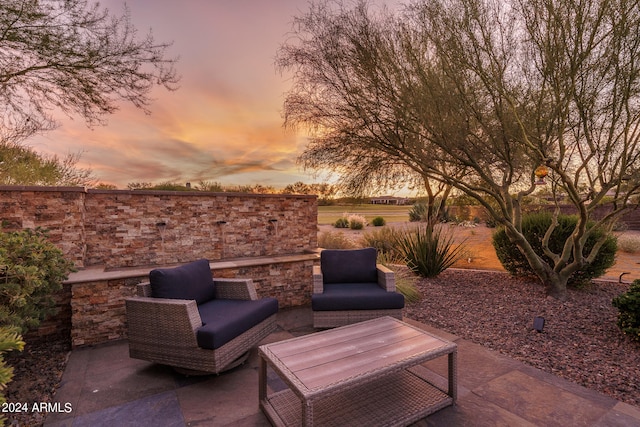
(543, 83)
(324, 190)
(477, 95)
(351, 91)
(22, 165)
(76, 57)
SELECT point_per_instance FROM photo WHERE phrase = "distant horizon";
(193, 186)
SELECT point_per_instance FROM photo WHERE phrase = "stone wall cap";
(200, 193)
(96, 274)
(42, 188)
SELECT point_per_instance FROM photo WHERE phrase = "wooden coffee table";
(360, 374)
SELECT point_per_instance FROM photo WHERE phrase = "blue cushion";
(349, 265)
(191, 281)
(356, 296)
(225, 319)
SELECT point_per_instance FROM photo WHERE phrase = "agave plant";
(428, 251)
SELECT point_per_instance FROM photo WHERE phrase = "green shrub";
(628, 305)
(463, 213)
(10, 340)
(341, 223)
(378, 221)
(356, 222)
(334, 240)
(534, 227)
(385, 242)
(419, 213)
(32, 270)
(427, 251)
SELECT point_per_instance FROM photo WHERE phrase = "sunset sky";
(224, 124)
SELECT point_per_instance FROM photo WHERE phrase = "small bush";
(629, 244)
(378, 221)
(32, 270)
(385, 242)
(428, 252)
(534, 227)
(628, 305)
(463, 213)
(419, 213)
(10, 340)
(341, 223)
(356, 222)
(334, 240)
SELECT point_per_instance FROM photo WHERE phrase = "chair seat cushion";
(355, 296)
(225, 319)
(192, 281)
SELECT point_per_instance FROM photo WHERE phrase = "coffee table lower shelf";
(398, 399)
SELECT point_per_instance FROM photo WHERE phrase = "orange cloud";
(223, 123)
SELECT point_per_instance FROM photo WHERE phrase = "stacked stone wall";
(119, 229)
(112, 230)
(60, 210)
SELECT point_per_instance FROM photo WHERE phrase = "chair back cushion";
(191, 281)
(349, 265)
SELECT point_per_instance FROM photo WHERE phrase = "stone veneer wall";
(61, 210)
(117, 229)
(124, 229)
(106, 231)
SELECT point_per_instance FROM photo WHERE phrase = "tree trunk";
(555, 284)
(555, 287)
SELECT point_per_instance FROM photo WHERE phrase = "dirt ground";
(481, 255)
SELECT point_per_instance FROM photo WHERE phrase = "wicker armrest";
(318, 284)
(143, 289)
(386, 278)
(235, 289)
(162, 321)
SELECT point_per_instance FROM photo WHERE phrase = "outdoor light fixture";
(221, 222)
(541, 173)
(538, 323)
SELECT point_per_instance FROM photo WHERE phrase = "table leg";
(262, 381)
(453, 372)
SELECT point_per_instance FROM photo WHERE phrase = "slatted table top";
(317, 363)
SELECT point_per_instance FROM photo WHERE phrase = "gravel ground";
(580, 341)
(37, 373)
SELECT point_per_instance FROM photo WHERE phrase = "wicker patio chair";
(206, 330)
(349, 287)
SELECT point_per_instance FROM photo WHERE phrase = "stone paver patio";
(106, 388)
